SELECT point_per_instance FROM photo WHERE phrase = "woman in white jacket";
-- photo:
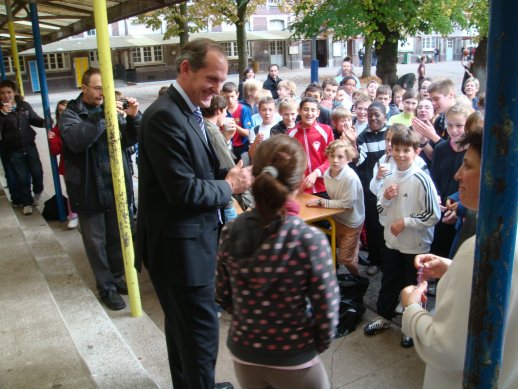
(440, 339)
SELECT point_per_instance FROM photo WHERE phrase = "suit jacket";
(179, 193)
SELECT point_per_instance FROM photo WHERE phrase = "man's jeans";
(27, 163)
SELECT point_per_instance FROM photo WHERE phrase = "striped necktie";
(199, 118)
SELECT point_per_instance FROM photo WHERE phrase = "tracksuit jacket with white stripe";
(417, 203)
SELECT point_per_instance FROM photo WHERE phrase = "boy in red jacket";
(314, 138)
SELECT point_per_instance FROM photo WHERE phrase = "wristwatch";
(319, 202)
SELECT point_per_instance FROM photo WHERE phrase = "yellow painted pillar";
(112, 125)
(14, 46)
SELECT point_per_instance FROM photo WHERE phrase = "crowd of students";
(389, 162)
(386, 156)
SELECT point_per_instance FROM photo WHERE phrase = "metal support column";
(112, 126)
(14, 46)
(2, 67)
(498, 211)
(46, 107)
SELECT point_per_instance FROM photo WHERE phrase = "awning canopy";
(64, 18)
(119, 42)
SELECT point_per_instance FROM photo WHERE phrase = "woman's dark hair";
(247, 70)
(60, 102)
(272, 187)
(473, 139)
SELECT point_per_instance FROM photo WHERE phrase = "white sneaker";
(376, 326)
(36, 198)
(27, 210)
(72, 223)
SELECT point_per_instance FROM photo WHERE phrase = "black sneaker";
(376, 326)
(113, 300)
(407, 341)
(223, 385)
(121, 286)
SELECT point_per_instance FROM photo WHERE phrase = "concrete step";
(55, 331)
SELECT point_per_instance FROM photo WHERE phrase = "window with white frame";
(157, 53)
(57, 61)
(9, 65)
(147, 55)
(276, 47)
(276, 25)
(428, 42)
(273, 3)
(90, 33)
(231, 48)
(93, 55)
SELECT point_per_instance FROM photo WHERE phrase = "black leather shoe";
(112, 300)
(223, 385)
(121, 286)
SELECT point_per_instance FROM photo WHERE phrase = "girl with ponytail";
(275, 277)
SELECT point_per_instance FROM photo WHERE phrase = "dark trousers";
(239, 150)
(191, 330)
(10, 177)
(398, 271)
(27, 163)
(375, 240)
(100, 233)
(443, 237)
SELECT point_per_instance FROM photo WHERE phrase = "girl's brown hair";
(279, 164)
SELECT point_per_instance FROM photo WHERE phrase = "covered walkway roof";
(64, 18)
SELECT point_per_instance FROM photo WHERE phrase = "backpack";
(50, 208)
(352, 290)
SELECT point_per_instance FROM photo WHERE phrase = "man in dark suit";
(181, 188)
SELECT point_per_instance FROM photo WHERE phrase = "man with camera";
(89, 181)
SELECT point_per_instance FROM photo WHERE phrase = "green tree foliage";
(384, 21)
(194, 16)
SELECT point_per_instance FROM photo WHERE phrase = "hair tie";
(271, 170)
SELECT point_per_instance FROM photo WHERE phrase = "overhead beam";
(118, 12)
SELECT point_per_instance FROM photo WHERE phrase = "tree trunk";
(241, 36)
(480, 64)
(367, 58)
(386, 69)
(183, 25)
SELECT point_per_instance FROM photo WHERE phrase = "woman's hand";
(432, 265)
(414, 294)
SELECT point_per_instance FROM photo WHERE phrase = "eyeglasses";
(97, 88)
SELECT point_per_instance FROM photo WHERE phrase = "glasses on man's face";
(97, 88)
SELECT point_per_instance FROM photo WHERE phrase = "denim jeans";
(27, 163)
(10, 177)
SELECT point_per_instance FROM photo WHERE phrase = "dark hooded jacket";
(87, 162)
(16, 132)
